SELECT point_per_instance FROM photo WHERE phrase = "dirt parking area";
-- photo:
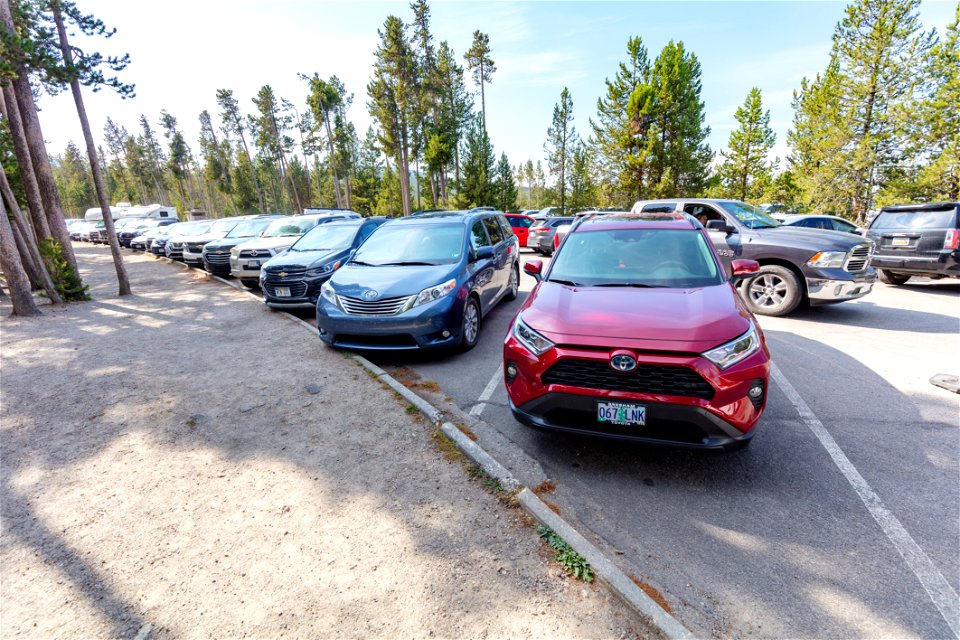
(185, 463)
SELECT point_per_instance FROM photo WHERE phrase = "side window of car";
(505, 226)
(365, 233)
(493, 230)
(846, 227)
(659, 207)
(478, 237)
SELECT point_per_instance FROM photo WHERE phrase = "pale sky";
(182, 52)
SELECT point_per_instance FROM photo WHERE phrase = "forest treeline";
(879, 124)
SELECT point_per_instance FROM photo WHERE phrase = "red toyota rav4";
(636, 332)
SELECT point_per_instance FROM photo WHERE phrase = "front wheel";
(774, 291)
(892, 277)
(470, 329)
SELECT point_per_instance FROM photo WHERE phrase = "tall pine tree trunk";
(253, 168)
(102, 196)
(20, 291)
(27, 243)
(333, 161)
(8, 105)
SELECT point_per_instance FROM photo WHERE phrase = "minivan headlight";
(328, 293)
(435, 293)
(533, 341)
(827, 260)
(729, 354)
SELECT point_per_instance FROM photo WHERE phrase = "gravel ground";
(186, 459)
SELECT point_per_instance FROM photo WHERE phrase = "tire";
(249, 283)
(892, 277)
(774, 291)
(513, 288)
(470, 325)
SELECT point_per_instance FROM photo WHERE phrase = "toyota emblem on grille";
(623, 363)
(370, 294)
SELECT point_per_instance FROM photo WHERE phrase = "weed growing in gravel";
(571, 561)
(446, 447)
(411, 409)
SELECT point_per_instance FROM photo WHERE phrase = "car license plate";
(621, 413)
(282, 292)
(900, 242)
(253, 264)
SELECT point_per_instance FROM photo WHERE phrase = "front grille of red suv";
(646, 378)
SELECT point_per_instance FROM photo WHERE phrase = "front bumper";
(244, 267)
(304, 292)
(419, 328)
(947, 263)
(719, 420)
(827, 290)
(192, 258)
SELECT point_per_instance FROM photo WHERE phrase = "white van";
(119, 211)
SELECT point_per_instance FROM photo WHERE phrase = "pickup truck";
(797, 265)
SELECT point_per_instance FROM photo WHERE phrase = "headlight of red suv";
(738, 349)
(533, 341)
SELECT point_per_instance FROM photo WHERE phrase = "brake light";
(952, 241)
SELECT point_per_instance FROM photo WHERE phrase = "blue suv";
(421, 282)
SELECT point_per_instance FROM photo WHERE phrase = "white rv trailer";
(140, 211)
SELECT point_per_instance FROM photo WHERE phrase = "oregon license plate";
(900, 241)
(621, 413)
(282, 292)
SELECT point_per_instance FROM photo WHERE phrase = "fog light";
(756, 394)
(511, 371)
(445, 334)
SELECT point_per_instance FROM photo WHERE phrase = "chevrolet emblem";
(282, 274)
(218, 252)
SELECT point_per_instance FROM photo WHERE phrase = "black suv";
(916, 240)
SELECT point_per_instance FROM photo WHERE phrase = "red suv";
(635, 331)
(521, 226)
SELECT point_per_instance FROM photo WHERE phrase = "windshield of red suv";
(672, 258)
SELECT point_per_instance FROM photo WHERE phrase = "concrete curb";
(605, 570)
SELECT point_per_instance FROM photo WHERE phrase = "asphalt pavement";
(840, 520)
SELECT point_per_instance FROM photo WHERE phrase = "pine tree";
(504, 187)
(612, 132)
(481, 66)
(393, 99)
(562, 138)
(479, 167)
(74, 181)
(850, 136)
(216, 155)
(178, 160)
(582, 180)
(745, 162)
(679, 155)
(233, 124)
(454, 113)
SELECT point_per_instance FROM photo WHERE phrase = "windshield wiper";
(408, 263)
(362, 263)
(638, 285)
(566, 282)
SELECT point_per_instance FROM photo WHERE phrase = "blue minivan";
(421, 282)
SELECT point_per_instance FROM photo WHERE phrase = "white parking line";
(936, 586)
(487, 392)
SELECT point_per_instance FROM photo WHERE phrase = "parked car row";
(604, 345)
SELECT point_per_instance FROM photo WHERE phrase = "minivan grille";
(858, 258)
(646, 378)
(385, 307)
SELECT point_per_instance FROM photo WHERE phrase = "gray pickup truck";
(796, 264)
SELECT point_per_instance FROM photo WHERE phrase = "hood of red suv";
(689, 320)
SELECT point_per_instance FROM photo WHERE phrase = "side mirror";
(534, 268)
(719, 225)
(743, 268)
(483, 253)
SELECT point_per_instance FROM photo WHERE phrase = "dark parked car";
(131, 231)
(293, 278)
(810, 221)
(796, 265)
(216, 254)
(916, 240)
(636, 332)
(421, 282)
(540, 237)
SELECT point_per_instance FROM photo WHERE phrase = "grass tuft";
(572, 562)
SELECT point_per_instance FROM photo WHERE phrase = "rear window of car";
(519, 223)
(556, 222)
(916, 219)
